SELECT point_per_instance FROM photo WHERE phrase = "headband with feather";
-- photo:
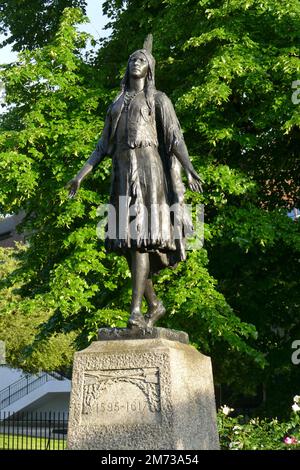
(150, 81)
(148, 43)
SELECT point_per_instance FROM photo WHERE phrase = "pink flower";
(290, 440)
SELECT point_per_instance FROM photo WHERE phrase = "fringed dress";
(146, 211)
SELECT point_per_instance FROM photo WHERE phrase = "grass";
(18, 442)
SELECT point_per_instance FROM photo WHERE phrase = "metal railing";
(24, 386)
(33, 431)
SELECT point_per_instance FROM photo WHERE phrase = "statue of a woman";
(143, 136)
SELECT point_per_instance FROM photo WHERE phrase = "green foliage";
(65, 270)
(228, 67)
(196, 306)
(20, 321)
(32, 24)
(45, 138)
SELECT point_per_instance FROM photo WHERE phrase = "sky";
(95, 28)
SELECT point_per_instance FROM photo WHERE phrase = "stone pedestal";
(145, 393)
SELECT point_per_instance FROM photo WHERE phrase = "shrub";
(242, 433)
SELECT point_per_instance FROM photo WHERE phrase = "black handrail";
(24, 386)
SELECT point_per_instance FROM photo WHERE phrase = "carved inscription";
(123, 396)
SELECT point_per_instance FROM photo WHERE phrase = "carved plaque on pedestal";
(130, 395)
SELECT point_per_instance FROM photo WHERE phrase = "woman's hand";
(73, 185)
(194, 181)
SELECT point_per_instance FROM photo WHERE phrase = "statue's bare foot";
(154, 314)
(137, 320)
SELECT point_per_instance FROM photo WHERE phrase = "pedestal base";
(142, 394)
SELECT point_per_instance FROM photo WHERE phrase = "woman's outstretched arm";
(95, 158)
(180, 151)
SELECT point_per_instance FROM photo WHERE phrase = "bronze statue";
(143, 136)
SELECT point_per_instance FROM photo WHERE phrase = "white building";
(8, 230)
(42, 392)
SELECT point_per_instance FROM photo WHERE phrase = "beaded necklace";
(128, 98)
